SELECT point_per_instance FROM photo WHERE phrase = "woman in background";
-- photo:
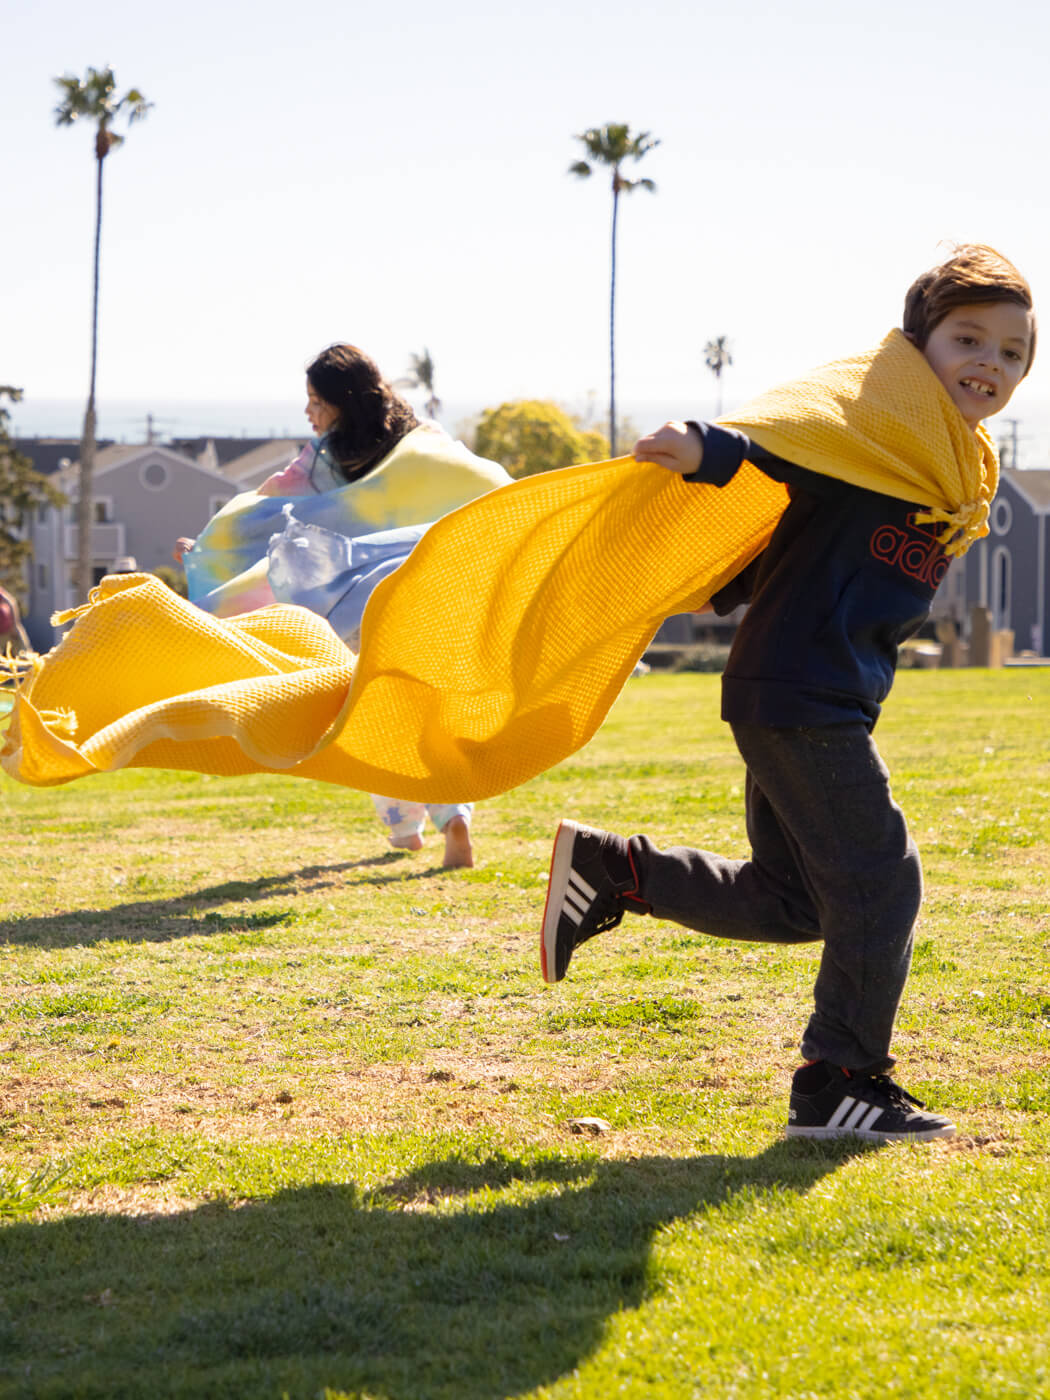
(339, 518)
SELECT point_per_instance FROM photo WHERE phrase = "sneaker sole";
(561, 865)
(946, 1130)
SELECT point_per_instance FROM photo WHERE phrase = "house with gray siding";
(1008, 571)
(144, 498)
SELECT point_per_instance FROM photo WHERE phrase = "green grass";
(285, 1113)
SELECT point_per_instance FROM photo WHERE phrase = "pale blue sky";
(396, 175)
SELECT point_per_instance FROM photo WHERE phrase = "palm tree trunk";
(612, 323)
(85, 579)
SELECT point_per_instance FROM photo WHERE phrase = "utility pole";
(152, 433)
(1013, 424)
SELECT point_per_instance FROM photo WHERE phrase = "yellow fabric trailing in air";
(498, 648)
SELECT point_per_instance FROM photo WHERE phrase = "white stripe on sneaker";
(858, 1113)
(854, 1115)
(869, 1122)
(577, 882)
(577, 899)
(840, 1112)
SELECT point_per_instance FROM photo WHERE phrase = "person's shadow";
(402, 1292)
(198, 911)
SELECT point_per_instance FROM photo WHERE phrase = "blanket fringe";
(17, 671)
(58, 619)
(963, 527)
(16, 666)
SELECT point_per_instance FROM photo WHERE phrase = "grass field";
(285, 1113)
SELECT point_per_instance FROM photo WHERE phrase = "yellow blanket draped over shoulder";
(498, 648)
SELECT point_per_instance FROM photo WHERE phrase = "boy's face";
(979, 353)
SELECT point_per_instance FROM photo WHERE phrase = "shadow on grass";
(414, 1290)
(180, 916)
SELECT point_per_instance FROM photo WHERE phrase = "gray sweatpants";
(831, 859)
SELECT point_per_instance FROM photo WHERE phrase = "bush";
(532, 435)
(174, 578)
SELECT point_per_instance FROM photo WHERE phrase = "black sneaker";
(829, 1102)
(592, 875)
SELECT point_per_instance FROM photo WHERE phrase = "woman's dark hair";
(373, 417)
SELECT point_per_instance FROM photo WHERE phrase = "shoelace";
(887, 1090)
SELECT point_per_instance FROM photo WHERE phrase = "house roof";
(117, 454)
(227, 449)
(1033, 483)
(273, 450)
(47, 453)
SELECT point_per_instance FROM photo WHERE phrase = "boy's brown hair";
(974, 274)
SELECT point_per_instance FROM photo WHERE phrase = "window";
(1001, 589)
(41, 575)
(1002, 516)
(154, 475)
(102, 510)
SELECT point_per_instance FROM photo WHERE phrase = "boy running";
(848, 574)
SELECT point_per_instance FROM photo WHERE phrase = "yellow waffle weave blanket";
(499, 647)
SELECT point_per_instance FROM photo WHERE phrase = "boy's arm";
(705, 452)
(697, 451)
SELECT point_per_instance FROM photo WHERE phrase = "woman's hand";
(676, 446)
(182, 546)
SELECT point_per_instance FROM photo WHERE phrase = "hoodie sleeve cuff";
(724, 450)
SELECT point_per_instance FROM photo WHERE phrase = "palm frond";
(93, 97)
(717, 355)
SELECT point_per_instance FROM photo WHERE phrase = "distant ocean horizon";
(139, 420)
(142, 420)
(136, 420)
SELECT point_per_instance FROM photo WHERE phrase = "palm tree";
(421, 376)
(611, 145)
(717, 358)
(95, 99)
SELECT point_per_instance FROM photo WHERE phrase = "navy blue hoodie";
(846, 577)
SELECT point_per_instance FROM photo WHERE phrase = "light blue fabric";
(333, 575)
(422, 478)
(314, 543)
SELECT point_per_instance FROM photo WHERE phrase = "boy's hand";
(182, 546)
(676, 446)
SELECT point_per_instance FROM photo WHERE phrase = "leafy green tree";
(94, 98)
(22, 489)
(610, 146)
(533, 435)
(717, 358)
(421, 376)
(174, 578)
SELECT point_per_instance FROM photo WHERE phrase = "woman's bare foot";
(408, 843)
(458, 850)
